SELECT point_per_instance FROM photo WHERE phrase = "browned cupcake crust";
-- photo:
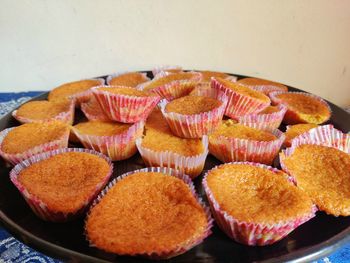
(130, 79)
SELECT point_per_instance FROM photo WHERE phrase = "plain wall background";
(305, 44)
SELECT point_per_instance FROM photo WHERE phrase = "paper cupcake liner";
(200, 88)
(234, 149)
(174, 89)
(232, 78)
(190, 165)
(90, 111)
(292, 116)
(117, 147)
(112, 76)
(163, 69)
(252, 234)
(238, 104)
(181, 248)
(325, 135)
(15, 158)
(124, 108)
(266, 89)
(65, 117)
(267, 121)
(37, 205)
(85, 95)
(196, 125)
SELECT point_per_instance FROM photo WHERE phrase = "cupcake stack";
(174, 121)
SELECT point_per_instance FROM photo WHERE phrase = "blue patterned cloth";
(12, 250)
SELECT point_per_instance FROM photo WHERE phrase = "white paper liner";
(163, 69)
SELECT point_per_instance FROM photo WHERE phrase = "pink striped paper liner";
(163, 69)
(92, 110)
(181, 248)
(293, 116)
(37, 205)
(190, 165)
(234, 149)
(174, 89)
(196, 125)
(117, 147)
(124, 108)
(66, 116)
(239, 104)
(85, 95)
(15, 158)
(248, 233)
(264, 121)
(114, 75)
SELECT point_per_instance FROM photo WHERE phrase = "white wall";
(301, 43)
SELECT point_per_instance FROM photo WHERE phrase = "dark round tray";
(314, 239)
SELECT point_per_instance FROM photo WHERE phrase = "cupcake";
(172, 86)
(163, 70)
(21, 142)
(302, 107)
(207, 75)
(237, 142)
(125, 104)
(323, 173)
(59, 185)
(45, 111)
(242, 100)
(296, 130)
(114, 139)
(194, 116)
(160, 215)
(268, 119)
(255, 204)
(262, 85)
(128, 79)
(160, 147)
(92, 110)
(77, 90)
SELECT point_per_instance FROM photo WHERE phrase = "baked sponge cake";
(147, 213)
(129, 79)
(255, 204)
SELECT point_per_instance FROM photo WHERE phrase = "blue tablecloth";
(12, 250)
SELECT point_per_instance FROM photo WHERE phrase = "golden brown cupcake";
(79, 90)
(302, 107)
(59, 185)
(194, 116)
(129, 79)
(323, 173)
(242, 100)
(21, 142)
(44, 111)
(159, 215)
(207, 75)
(164, 70)
(92, 110)
(262, 85)
(114, 139)
(237, 142)
(255, 204)
(295, 130)
(160, 147)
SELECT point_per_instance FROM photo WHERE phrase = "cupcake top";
(189, 105)
(256, 195)
(72, 88)
(313, 109)
(42, 109)
(126, 91)
(296, 130)
(269, 110)
(231, 129)
(243, 90)
(102, 128)
(207, 75)
(158, 137)
(155, 83)
(324, 174)
(130, 79)
(158, 213)
(65, 181)
(29, 135)
(261, 82)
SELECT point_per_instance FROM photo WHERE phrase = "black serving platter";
(314, 239)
